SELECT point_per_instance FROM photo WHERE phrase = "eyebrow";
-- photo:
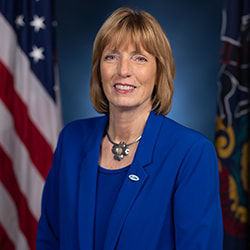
(115, 51)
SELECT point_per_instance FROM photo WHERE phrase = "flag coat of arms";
(29, 116)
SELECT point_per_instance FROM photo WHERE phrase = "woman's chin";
(123, 107)
(129, 108)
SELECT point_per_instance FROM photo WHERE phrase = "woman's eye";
(141, 59)
(109, 57)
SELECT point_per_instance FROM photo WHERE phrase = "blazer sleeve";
(197, 211)
(48, 227)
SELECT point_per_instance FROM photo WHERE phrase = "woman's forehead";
(117, 44)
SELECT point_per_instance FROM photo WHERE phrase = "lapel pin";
(133, 177)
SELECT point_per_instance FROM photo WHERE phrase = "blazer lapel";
(87, 189)
(131, 187)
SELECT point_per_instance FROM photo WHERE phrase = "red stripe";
(5, 242)
(39, 150)
(27, 222)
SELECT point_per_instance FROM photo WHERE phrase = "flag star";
(19, 21)
(37, 23)
(37, 54)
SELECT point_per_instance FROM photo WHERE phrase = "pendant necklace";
(120, 150)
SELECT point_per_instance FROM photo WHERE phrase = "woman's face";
(128, 77)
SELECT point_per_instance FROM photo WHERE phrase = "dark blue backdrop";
(193, 28)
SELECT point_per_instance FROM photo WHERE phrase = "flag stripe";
(9, 220)
(5, 242)
(26, 174)
(39, 149)
(32, 92)
(27, 222)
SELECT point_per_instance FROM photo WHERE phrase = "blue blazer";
(174, 205)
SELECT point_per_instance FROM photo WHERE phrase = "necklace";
(120, 150)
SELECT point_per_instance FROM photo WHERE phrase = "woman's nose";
(124, 67)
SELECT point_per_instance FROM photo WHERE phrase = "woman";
(132, 179)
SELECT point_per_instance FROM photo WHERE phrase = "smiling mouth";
(124, 87)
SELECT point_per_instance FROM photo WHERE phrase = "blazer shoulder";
(83, 125)
(79, 131)
(177, 133)
(187, 147)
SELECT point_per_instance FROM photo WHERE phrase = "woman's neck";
(126, 125)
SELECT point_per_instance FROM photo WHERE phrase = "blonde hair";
(145, 31)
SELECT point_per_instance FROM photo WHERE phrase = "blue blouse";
(108, 186)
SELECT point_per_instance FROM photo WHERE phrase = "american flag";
(29, 116)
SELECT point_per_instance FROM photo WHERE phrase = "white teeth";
(124, 87)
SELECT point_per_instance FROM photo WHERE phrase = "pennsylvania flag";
(233, 123)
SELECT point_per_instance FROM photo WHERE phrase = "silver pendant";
(120, 150)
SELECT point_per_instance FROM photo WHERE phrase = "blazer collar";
(128, 192)
(147, 143)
